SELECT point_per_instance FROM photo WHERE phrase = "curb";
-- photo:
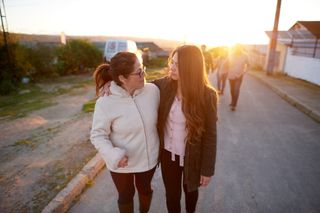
(64, 199)
(303, 108)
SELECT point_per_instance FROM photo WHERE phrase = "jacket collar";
(120, 92)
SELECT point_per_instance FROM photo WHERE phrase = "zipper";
(144, 130)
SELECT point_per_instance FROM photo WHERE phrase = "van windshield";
(122, 46)
(111, 47)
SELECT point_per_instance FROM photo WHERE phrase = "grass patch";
(32, 97)
(89, 106)
(89, 183)
(156, 73)
(18, 104)
(25, 142)
(71, 79)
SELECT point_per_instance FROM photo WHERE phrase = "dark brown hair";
(121, 64)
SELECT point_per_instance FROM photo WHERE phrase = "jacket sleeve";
(100, 132)
(209, 142)
(161, 82)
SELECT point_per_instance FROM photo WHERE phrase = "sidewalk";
(301, 94)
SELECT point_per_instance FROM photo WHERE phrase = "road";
(267, 161)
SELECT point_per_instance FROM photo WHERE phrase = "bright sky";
(214, 22)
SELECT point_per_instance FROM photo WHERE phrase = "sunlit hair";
(101, 76)
(194, 81)
(121, 64)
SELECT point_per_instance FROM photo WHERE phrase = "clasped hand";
(123, 162)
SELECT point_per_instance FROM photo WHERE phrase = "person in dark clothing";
(222, 72)
(187, 128)
(238, 63)
(207, 59)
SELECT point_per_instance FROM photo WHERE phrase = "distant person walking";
(124, 128)
(222, 72)
(238, 63)
(187, 128)
(207, 59)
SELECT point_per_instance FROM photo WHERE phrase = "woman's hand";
(123, 162)
(204, 181)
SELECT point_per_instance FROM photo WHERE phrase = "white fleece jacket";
(126, 125)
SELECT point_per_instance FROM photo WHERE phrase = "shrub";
(42, 59)
(8, 81)
(8, 72)
(76, 56)
(158, 62)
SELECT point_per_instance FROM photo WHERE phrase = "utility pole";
(273, 41)
(4, 27)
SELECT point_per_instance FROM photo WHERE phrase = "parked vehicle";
(114, 46)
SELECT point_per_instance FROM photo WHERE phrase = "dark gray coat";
(200, 156)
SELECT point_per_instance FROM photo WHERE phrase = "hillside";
(164, 44)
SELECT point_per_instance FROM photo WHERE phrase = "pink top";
(175, 132)
(237, 66)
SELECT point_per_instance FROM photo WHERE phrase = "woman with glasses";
(187, 128)
(124, 128)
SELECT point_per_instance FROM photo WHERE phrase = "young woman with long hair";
(187, 127)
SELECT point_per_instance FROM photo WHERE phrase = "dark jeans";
(125, 184)
(235, 85)
(221, 81)
(172, 174)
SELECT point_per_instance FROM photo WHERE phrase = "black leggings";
(172, 174)
(235, 85)
(125, 184)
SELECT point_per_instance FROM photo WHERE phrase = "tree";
(42, 58)
(76, 56)
(8, 71)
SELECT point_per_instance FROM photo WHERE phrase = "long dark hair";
(121, 64)
(194, 81)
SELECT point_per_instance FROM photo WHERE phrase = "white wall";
(280, 56)
(303, 68)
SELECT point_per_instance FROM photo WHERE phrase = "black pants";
(125, 184)
(221, 80)
(235, 85)
(172, 174)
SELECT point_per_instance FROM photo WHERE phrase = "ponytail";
(102, 75)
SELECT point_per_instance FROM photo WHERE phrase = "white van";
(114, 46)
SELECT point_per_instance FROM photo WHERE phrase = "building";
(298, 51)
(154, 50)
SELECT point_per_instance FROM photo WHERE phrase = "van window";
(122, 46)
(111, 47)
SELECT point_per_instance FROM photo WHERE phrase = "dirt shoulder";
(42, 151)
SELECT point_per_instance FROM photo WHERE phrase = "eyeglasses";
(141, 72)
(173, 63)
